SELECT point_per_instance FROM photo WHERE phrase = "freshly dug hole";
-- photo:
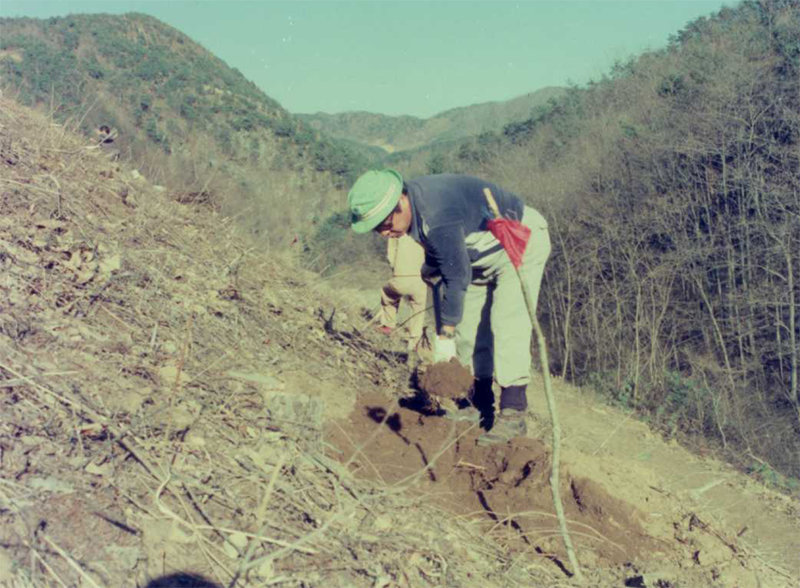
(504, 489)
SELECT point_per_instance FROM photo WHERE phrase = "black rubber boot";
(514, 397)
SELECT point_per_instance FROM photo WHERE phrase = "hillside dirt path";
(642, 511)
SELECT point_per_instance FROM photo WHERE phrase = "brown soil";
(505, 488)
(628, 524)
(446, 380)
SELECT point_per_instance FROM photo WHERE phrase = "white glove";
(444, 349)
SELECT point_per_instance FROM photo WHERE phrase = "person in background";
(483, 320)
(405, 257)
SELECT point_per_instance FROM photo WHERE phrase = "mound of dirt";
(504, 490)
(446, 380)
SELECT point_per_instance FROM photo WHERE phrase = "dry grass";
(146, 428)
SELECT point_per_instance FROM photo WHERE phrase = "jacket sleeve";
(447, 250)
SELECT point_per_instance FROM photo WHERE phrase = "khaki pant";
(494, 336)
(415, 291)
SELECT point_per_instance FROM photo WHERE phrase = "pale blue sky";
(407, 57)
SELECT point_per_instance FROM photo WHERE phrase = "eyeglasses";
(387, 224)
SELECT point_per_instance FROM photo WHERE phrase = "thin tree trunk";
(568, 309)
(556, 426)
(795, 393)
(718, 331)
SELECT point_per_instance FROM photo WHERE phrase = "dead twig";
(73, 564)
(260, 514)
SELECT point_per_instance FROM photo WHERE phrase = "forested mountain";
(401, 133)
(187, 118)
(672, 187)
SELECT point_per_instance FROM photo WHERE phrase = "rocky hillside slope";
(176, 402)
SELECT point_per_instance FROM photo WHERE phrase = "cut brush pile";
(151, 423)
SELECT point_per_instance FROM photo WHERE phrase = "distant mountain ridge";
(401, 133)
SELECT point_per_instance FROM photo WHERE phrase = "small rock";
(235, 545)
(383, 522)
(193, 439)
(51, 485)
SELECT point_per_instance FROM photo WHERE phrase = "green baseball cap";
(373, 197)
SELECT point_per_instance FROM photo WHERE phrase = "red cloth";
(513, 236)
